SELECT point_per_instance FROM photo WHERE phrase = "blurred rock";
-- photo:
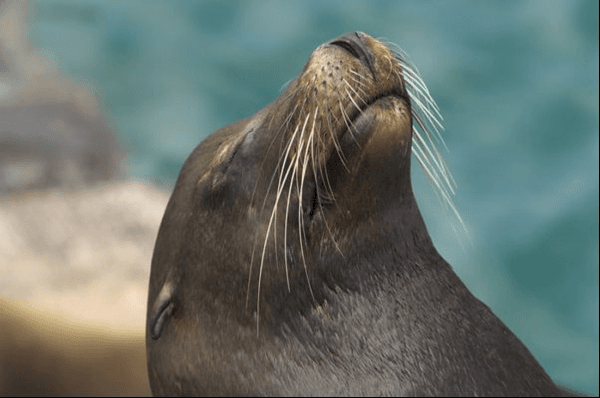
(42, 353)
(75, 268)
(75, 244)
(52, 130)
(85, 253)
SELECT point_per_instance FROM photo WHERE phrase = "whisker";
(427, 118)
(349, 125)
(435, 156)
(302, 235)
(262, 260)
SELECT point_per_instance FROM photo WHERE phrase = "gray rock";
(52, 129)
(75, 266)
(85, 253)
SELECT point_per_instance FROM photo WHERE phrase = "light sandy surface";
(75, 268)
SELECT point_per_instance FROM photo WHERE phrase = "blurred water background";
(517, 84)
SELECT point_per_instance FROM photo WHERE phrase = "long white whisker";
(265, 248)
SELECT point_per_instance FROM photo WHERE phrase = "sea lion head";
(273, 213)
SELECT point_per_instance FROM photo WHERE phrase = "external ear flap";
(165, 305)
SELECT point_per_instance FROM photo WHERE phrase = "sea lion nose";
(355, 44)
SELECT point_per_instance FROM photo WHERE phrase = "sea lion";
(292, 257)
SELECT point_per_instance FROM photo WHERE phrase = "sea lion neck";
(395, 236)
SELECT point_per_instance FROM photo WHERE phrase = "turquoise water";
(517, 84)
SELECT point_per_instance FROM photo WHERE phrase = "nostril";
(353, 43)
(348, 46)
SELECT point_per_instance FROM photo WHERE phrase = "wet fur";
(293, 259)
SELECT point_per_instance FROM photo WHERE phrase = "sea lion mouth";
(327, 103)
(362, 48)
(362, 117)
